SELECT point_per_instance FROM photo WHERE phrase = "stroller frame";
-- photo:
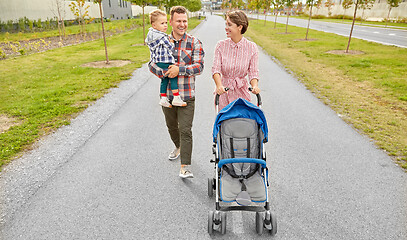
(265, 219)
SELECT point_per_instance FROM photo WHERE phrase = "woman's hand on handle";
(220, 90)
(254, 88)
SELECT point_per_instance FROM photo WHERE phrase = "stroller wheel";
(223, 222)
(210, 222)
(259, 222)
(270, 222)
(210, 187)
(273, 219)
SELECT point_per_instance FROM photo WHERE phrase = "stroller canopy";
(241, 108)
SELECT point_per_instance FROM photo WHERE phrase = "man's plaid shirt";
(188, 54)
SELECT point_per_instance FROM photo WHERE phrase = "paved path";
(106, 175)
(387, 36)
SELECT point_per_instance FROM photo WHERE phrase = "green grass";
(74, 29)
(44, 91)
(369, 90)
(357, 22)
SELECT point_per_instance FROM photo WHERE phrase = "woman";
(235, 58)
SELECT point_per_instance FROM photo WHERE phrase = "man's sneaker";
(177, 101)
(174, 154)
(164, 102)
(185, 172)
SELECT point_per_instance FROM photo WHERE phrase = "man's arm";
(197, 65)
(154, 69)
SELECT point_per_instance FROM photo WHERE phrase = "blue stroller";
(241, 174)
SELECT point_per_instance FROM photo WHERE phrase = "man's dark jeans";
(179, 124)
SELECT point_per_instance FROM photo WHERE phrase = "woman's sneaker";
(177, 101)
(185, 172)
(164, 102)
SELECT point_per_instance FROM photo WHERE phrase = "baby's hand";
(171, 40)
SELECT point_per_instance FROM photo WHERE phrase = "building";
(47, 9)
(378, 12)
(117, 9)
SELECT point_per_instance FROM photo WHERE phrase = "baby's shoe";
(164, 102)
(177, 101)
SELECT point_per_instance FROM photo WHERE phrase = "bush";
(39, 24)
(2, 54)
(401, 20)
(10, 25)
(21, 24)
(30, 25)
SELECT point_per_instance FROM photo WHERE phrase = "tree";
(142, 4)
(193, 5)
(103, 27)
(365, 4)
(329, 4)
(277, 4)
(346, 4)
(81, 13)
(58, 9)
(310, 4)
(255, 5)
(392, 4)
(357, 2)
(318, 5)
(166, 3)
(266, 6)
(289, 4)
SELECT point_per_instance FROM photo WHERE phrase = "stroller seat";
(241, 141)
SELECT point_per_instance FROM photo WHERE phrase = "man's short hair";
(239, 18)
(155, 14)
(177, 9)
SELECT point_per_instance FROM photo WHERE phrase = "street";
(107, 176)
(386, 36)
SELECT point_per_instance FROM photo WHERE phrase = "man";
(188, 54)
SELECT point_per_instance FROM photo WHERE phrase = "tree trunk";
(361, 18)
(309, 20)
(103, 31)
(265, 18)
(275, 20)
(63, 27)
(343, 17)
(144, 31)
(388, 17)
(59, 22)
(353, 23)
(286, 25)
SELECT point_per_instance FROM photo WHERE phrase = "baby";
(161, 47)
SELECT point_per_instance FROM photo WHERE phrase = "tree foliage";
(80, 10)
(193, 5)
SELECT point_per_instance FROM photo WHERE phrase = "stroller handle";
(259, 103)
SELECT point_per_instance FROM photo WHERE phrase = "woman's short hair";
(239, 18)
(155, 14)
(177, 9)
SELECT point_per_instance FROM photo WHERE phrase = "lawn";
(368, 90)
(43, 91)
(74, 29)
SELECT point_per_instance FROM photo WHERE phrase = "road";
(387, 36)
(106, 176)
